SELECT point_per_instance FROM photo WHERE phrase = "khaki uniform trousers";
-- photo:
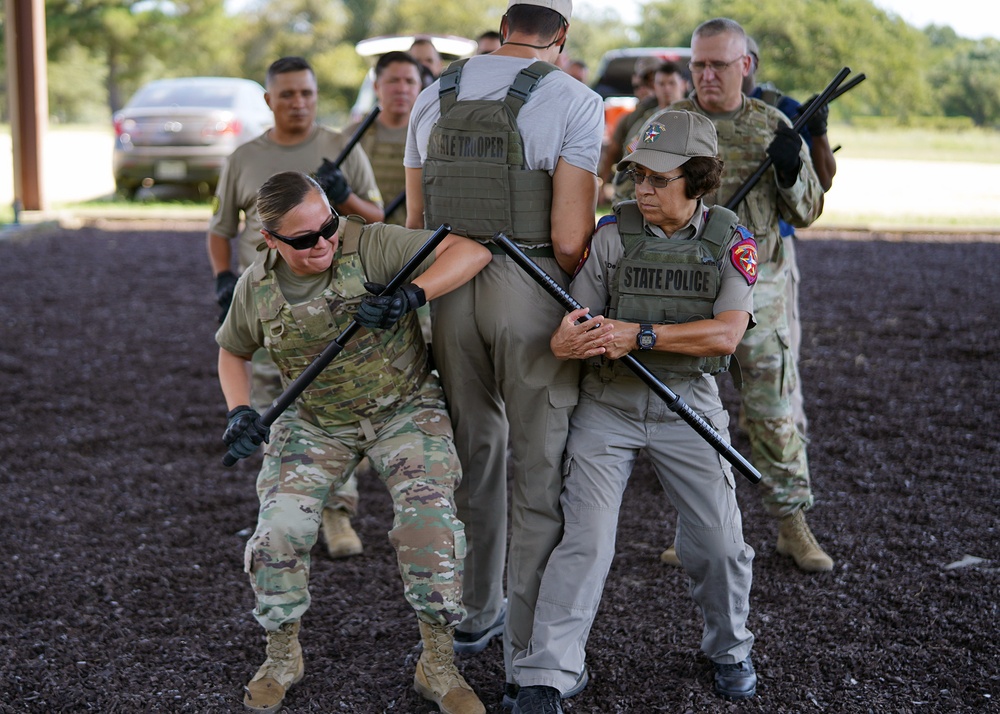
(610, 426)
(491, 346)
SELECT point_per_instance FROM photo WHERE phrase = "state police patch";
(744, 257)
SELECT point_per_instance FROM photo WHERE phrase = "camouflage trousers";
(414, 455)
(770, 373)
(265, 388)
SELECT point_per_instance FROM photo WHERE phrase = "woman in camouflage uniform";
(378, 400)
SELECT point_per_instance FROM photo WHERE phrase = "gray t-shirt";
(562, 119)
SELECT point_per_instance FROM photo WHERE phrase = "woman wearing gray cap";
(674, 284)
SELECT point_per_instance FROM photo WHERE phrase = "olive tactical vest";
(666, 282)
(474, 175)
(387, 164)
(743, 143)
(376, 370)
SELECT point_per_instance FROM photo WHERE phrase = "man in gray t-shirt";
(491, 338)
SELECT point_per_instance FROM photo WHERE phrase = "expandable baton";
(395, 203)
(674, 402)
(356, 136)
(285, 399)
(800, 121)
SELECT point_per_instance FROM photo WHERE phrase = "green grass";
(906, 221)
(972, 145)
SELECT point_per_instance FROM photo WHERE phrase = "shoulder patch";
(744, 256)
(605, 220)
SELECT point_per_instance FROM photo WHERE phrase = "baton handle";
(674, 402)
(395, 203)
(356, 136)
(800, 121)
(295, 389)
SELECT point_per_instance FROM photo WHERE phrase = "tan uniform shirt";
(253, 163)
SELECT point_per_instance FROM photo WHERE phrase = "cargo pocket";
(720, 422)
(433, 422)
(460, 545)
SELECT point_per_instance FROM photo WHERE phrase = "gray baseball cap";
(669, 139)
(563, 7)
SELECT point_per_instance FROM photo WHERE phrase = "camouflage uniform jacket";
(743, 141)
(377, 371)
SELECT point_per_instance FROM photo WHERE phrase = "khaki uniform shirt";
(251, 164)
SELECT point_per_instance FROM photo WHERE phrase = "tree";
(968, 84)
(804, 44)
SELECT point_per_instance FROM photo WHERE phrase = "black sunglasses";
(307, 241)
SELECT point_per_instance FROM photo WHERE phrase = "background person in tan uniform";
(642, 86)
(296, 143)
(669, 85)
(397, 84)
(424, 52)
(749, 131)
(488, 42)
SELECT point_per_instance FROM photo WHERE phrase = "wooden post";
(28, 97)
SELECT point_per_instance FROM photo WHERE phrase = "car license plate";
(170, 170)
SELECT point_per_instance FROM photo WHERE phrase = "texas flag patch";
(744, 257)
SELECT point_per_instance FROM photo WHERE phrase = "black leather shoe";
(510, 689)
(735, 681)
(538, 700)
(473, 642)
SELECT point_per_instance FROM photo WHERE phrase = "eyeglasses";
(307, 241)
(717, 67)
(654, 181)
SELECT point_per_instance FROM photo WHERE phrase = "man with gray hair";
(749, 131)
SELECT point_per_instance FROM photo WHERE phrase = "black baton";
(285, 399)
(356, 136)
(395, 203)
(800, 121)
(674, 402)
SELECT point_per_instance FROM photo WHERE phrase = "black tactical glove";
(225, 284)
(245, 432)
(817, 122)
(784, 153)
(383, 310)
(331, 180)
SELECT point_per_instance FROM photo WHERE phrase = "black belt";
(544, 251)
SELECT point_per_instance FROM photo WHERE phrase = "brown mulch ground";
(122, 534)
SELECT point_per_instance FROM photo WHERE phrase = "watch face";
(646, 338)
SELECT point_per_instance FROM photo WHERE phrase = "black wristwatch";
(646, 337)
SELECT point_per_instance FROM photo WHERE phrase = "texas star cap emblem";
(653, 131)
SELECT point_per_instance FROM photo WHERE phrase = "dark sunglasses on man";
(307, 241)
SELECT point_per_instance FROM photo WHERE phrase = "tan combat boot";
(795, 539)
(669, 556)
(282, 668)
(341, 540)
(437, 678)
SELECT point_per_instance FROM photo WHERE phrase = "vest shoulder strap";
(525, 82)
(629, 223)
(350, 234)
(720, 223)
(448, 84)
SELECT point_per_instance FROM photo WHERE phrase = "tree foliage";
(968, 83)
(101, 51)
